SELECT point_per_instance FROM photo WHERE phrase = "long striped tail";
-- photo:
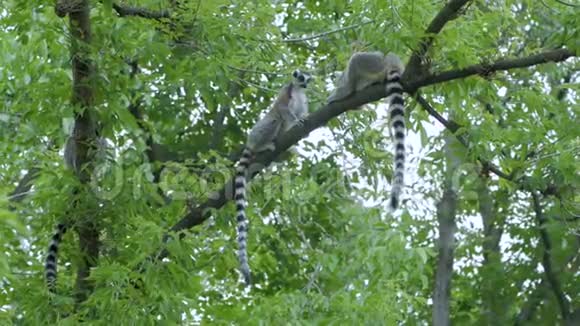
(50, 267)
(240, 197)
(397, 124)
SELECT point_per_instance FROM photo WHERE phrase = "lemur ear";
(295, 73)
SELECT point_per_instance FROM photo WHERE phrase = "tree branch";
(447, 13)
(124, 10)
(567, 4)
(135, 110)
(485, 69)
(551, 276)
(377, 91)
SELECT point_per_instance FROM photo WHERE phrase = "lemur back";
(288, 109)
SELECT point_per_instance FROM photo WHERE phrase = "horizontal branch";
(124, 10)
(484, 69)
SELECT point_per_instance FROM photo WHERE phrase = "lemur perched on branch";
(289, 109)
(364, 69)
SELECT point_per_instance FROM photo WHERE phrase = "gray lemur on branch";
(289, 109)
(363, 70)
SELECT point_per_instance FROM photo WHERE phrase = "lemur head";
(301, 78)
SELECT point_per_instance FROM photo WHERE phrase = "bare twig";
(296, 40)
(260, 72)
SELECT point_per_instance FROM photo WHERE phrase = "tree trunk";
(446, 211)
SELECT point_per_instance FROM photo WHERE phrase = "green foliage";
(323, 248)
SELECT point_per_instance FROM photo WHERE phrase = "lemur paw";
(300, 122)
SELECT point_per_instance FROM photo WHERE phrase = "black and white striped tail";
(397, 124)
(240, 197)
(50, 268)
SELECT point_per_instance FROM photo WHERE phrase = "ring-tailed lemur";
(364, 69)
(70, 160)
(50, 266)
(289, 109)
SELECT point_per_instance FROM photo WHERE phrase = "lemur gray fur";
(364, 69)
(289, 109)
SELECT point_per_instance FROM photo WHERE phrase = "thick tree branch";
(448, 13)
(124, 10)
(485, 69)
(551, 275)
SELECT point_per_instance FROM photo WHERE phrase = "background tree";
(488, 233)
